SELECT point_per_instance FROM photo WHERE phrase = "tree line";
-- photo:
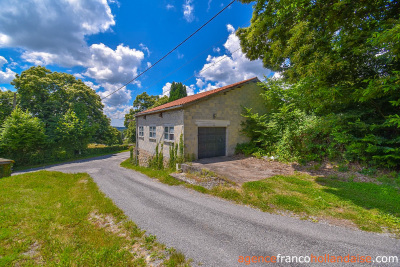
(56, 115)
(339, 92)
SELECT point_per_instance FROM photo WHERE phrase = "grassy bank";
(367, 206)
(52, 218)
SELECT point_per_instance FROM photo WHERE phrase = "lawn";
(367, 206)
(52, 218)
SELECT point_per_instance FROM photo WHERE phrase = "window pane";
(171, 130)
(165, 129)
(166, 136)
(171, 137)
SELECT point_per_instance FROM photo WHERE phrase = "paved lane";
(215, 232)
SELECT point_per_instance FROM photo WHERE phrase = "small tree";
(21, 134)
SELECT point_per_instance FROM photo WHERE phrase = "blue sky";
(107, 43)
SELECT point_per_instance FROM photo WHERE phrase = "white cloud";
(200, 83)
(166, 89)
(209, 5)
(117, 114)
(145, 48)
(8, 75)
(3, 89)
(79, 76)
(230, 68)
(113, 66)
(92, 85)
(230, 28)
(216, 50)
(190, 89)
(277, 76)
(180, 56)
(121, 97)
(188, 10)
(53, 32)
(169, 6)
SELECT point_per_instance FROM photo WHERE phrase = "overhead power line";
(181, 43)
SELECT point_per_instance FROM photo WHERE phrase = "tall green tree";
(177, 91)
(50, 95)
(144, 101)
(339, 60)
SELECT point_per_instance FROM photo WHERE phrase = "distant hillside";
(121, 129)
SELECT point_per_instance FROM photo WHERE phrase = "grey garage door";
(212, 142)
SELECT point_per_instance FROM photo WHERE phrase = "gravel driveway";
(215, 232)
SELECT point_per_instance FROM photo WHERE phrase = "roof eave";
(158, 111)
(143, 113)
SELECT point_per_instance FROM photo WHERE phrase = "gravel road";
(215, 232)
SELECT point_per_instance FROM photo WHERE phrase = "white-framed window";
(169, 133)
(141, 132)
(152, 132)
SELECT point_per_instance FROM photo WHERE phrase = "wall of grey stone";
(222, 108)
(146, 145)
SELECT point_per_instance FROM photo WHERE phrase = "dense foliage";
(56, 114)
(339, 94)
(6, 105)
(177, 91)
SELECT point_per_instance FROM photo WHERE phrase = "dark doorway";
(212, 142)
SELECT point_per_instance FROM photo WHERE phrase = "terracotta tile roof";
(188, 99)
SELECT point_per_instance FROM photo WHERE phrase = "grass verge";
(52, 218)
(367, 206)
(162, 175)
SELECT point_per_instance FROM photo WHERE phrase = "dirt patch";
(137, 248)
(34, 253)
(197, 179)
(240, 169)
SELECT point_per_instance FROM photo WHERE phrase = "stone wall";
(146, 145)
(222, 110)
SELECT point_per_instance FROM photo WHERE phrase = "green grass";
(162, 175)
(52, 218)
(368, 206)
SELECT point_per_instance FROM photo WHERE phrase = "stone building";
(209, 122)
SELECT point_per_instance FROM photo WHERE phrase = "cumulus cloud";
(121, 97)
(8, 75)
(169, 6)
(92, 85)
(166, 89)
(113, 66)
(229, 68)
(53, 31)
(188, 10)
